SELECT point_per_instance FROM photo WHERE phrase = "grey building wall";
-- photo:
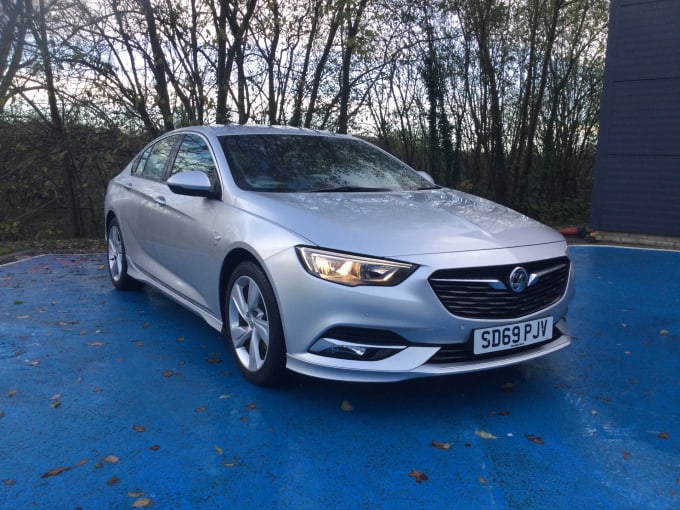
(637, 169)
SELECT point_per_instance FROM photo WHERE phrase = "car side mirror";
(191, 183)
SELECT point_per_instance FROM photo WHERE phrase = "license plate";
(501, 338)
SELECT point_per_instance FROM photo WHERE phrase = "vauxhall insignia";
(518, 279)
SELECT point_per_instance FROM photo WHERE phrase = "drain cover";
(8, 350)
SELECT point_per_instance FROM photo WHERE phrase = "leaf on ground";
(135, 494)
(57, 396)
(507, 387)
(168, 373)
(154, 448)
(142, 503)
(232, 463)
(485, 435)
(625, 455)
(113, 481)
(534, 438)
(12, 393)
(223, 397)
(482, 480)
(146, 325)
(201, 409)
(419, 476)
(244, 419)
(139, 343)
(81, 462)
(55, 404)
(111, 459)
(138, 428)
(96, 344)
(2, 415)
(664, 332)
(34, 362)
(251, 407)
(219, 450)
(9, 483)
(346, 406)
(213, 360)
(440, 446)
(664, 435)
(55, 471)
(97, 390)
(179, 339)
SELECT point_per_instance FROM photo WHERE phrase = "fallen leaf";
(111, 459)
(2, 415)
(18, 302)
(96, 344)
(664, 435)
(142, 503)
(12, 393)
(97, 390)
(664, 332)
(251, 407)
(139, 343)
(113, 481)
(55, 472)
(627, 353)
(232, 463)
(213, 360)
(346, 406)
(508, 387)
(481, 480)
(244, 419)
(484, 435)
(440, 446)
(135, 494)
(219, 450)
(625, 455)
(138, 428)
(81, 462)
(222, 397)
(179, 339)
(154, 448)
(146, 325)
(55, 404)
(418, 476)
(201, 409)
(594, 412)
(34, 363)
(56, 396)
(534, 439)
(9, 483)
(168, 373)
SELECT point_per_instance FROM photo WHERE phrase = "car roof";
(255, 129)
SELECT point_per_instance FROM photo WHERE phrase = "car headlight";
(353, 270)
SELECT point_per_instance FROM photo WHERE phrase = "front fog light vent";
(334, 348)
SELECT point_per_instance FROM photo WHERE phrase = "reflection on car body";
(323, 254)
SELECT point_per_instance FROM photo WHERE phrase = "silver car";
(322, 254)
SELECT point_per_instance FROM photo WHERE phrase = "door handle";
(160, 200)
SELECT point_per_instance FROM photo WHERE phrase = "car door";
(141, 187)
(182, 236)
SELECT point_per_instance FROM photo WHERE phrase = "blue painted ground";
(120, 400)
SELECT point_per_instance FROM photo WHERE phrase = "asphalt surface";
(112, 400)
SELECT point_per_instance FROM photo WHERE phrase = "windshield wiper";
(345, 189)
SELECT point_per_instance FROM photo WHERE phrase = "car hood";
(398, 224)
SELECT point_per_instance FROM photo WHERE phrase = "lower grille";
(484, 292)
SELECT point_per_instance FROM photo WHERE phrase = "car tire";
(253, 326)
(117, 259)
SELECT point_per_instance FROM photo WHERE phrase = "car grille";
(483, 292)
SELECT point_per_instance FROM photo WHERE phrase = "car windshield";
(305, 163)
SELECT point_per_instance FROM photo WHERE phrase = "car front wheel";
(118, 261)
(254, 326)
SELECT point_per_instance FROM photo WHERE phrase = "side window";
(194, 154)
(141, 161)
(154, 166)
